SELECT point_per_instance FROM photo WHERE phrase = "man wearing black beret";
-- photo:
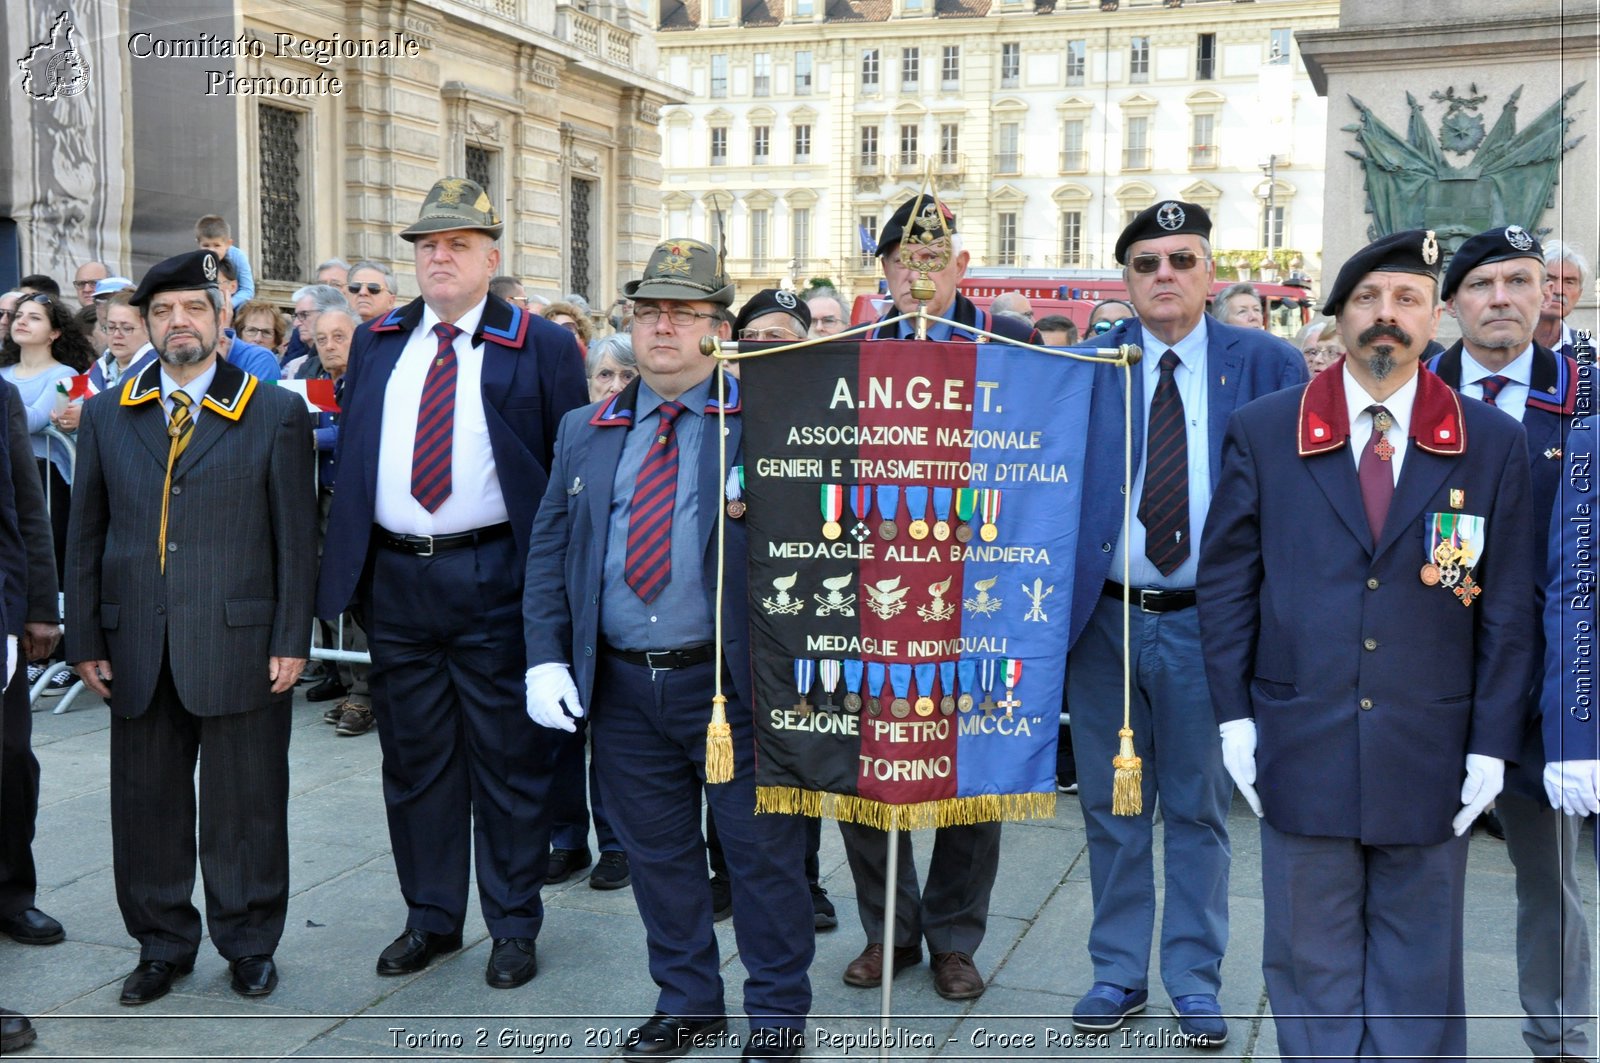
(1494, 287)
(1366, 610)
(1196, 371)
(191, 562)
(773, 315)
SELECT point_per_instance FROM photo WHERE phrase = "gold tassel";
(1127, 787)
(719, 743)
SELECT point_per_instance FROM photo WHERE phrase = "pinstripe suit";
(189, 648)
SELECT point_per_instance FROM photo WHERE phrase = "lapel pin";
(1458, 498)
(577, 485)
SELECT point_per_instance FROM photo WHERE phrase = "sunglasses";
(39, 297)
(1182, 261)
(1107, 326)
(373, 288)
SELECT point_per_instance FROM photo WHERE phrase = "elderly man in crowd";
(830, 311)
(371, 288)
(1567, 280)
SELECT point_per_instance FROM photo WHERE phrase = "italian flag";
(318, 394)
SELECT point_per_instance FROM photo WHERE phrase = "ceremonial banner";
(318, 394)
(912, 513)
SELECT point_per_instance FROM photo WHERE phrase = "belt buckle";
(1146, 594)
(429, 551)
(650, 659)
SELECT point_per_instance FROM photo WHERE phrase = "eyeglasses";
(372, 287)
(1101, 327)
(120, 330)
(608, 375)
(304, 315)
(827, 321)
(42, 298)
(1182, 261)
(1324, 352)
(257, 332)
(85, 284)
(681, 316)
(8, 313)
(778, 332)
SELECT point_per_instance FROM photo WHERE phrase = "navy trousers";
(574, 795)
(464, 768)
(19, 800)
(649, 731)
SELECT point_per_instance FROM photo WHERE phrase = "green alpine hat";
(683, 269)
(454, 203)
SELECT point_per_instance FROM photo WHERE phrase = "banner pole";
(891, 879)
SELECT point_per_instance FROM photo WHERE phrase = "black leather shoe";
(511, 963)
(152, 980)
(414, 950)
(775, 1042)
(15, 1032)
(564, 863)
(721, 898)
(32, 927)
(327, 690)
(254, 976)
(611, 873)
(668, 1037)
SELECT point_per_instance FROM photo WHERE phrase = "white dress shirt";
(475, 499)
(1357, 400)
(1513, 397)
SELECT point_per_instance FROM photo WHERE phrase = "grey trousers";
(952, 910)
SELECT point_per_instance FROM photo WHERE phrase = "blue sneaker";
(1106, 1007)
(1200, 1020)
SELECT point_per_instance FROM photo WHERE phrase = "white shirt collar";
(1519, 370)
(1357, 400)
(467, 323)
(1190, 350)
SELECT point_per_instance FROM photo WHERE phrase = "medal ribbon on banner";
(888, 505)
(991, 514)
(947, 687)
(966, 506)
(900, 681)
(917, 512)
(1011, 674)
(876, 672)
(925, 674)
(988, 668)
(852, 684)
(805, 673)
(861, 506)
(941, 517)
(828, 672)
(832, 509)
(966, 674)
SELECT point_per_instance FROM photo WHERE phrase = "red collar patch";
(1437, 425)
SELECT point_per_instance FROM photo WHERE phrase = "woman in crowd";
(1320, 344)
(259, 322)
(611, 366)
(571, 318)
(1238, 304)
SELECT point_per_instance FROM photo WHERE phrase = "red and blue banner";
(912, 513)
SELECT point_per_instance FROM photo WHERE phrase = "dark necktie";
(1376, 473)
(180, 426)
(436, 425)
(1491, 387)
(1164, 506)
(655, 492)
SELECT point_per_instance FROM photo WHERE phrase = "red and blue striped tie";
(436, 425)
(1164, 505)
(655, 492)
(1492, 386)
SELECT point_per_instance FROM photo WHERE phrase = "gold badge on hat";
(1430, 248)
(675, 261)
(451, 189)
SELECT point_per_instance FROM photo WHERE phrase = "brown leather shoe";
(956, 977)
(866, 970)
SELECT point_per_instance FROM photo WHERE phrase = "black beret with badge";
(1170, 217)
(933, 220)
(1411, 251)
(454, 203)
(1496, 245)
(190, 271)
(685, 270)
(774, 301)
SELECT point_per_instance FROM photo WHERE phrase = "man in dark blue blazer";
(620, 616)
(450, 408)
(1571, 718)
(1366, 608)
(1195, 372)
(1494, 287)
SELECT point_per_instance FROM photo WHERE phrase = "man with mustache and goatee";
(191, 562)
(1366, 610)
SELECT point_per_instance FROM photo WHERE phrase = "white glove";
(1485, 777)
(11, 661)
(1239, 757)
(548, 686)
(1573, 786)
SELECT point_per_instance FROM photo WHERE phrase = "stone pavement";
(593, 985)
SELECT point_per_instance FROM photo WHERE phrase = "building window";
(867, 230)
(1130, 213)
(480, 168)
(1006, 239)
(869, 147)
(758, 239)
(802, 73)
(1077, 61)
(1008, 158)
(908, 147)
(1203, 145)
(1278, 50)
(719, 145)
(1136, 144)
(763, 74)
(719, 76)
(950, 68)
(721, 9)
(949, 144)
(1010, 65)
(1074, 157)
(804, 8)
(1072, 238)
(802, 143)
(1139, 59)
(582, 213)
(910, 68)
(800, 236)
(760, 145)
(1205, 57)
(282, 164)
(869, 70)
(1272, 228)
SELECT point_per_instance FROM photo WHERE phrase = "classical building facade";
(317, 126)
(1046, 124)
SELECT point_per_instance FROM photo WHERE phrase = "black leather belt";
(662, 659)
(428, 545)
(1152, 600)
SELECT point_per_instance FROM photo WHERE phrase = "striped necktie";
(436, 424)
(1491, 387)
(649, 565)
(1164, 505)
(180, 427)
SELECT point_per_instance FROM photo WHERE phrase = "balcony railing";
(869, 164)
(1075, 161)
(1008, 162)
(908, 162)
(592, 35)
(1203, 156)
(1136, 158)
(949, 162)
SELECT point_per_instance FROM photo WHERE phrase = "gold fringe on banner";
(948, 812)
